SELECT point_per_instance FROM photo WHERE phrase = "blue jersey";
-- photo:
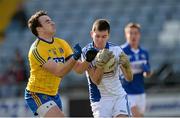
(110, 84)
(138, 58)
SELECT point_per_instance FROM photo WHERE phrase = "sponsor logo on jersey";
(57, 59)
(61, 50)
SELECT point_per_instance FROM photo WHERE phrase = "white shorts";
(111, 107)
(44, 108)
(138, 100)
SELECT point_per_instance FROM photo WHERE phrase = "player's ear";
(38, 29)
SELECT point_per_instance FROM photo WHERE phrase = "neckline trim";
(42, 39)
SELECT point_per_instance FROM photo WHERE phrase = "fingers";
(91, 54)
(123, 59)
(103, 57)
(77, 52)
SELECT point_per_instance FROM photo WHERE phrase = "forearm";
(96, 75)
(127, 72)
(62, 70)
(81, 67)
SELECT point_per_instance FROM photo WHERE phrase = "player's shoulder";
(114, 46)
(124, 46)
(88, 46)
(37, 46)
(33, 47)
(59, 40)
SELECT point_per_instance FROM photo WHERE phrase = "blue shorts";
(35, 100)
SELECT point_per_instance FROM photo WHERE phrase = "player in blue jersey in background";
(139, 60)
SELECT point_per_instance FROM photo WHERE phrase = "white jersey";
(110, 84)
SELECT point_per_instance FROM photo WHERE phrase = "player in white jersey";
(107, 96)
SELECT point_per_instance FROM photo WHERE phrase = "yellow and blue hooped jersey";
(41, 80)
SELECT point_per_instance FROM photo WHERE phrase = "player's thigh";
(121, 116)
(54, 112)
(132, 100)
(40, 104)
(135, 112)
(141, 103)
(122, 108)
(49, 109)
(102, 108)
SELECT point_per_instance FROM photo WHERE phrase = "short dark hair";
(133, 25)
(33, 22)
(101, 25)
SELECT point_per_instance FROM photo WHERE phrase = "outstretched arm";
(61, 70)
(146, 68)
(96, 74)
(125, 66)
(127, 72)
(81, 66)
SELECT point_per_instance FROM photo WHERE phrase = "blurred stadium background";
(160, 21)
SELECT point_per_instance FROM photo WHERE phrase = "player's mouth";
(53, 27)
(134, 39)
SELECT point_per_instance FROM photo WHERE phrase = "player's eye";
(48, 21)
(97, 36)
(104, 36)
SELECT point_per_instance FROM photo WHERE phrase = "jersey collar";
(133, 50)
(42, 39)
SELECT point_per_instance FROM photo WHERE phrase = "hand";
(91, 54)
(110, 66)
(102, 57)
(77, 52)
(123, 60)
(145, 68)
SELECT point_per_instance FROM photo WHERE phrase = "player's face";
(47, 25)
(133, 36)
(100, 38)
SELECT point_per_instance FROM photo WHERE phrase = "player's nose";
(52, 22)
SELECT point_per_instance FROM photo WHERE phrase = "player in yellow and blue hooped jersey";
(139, 60)
(50, 59)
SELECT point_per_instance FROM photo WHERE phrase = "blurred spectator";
(20, 17)
(16, 73)
(18, 67)
(2, 36)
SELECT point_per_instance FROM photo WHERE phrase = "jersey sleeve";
(68, 49)
(83, 54)
(120, 50)
(148, 63)
(38, 56)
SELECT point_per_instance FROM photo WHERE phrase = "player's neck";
(47, 38)
(134, 46)
(99, 47)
